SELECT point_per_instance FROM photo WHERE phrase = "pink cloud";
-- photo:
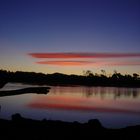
(69, 55)
(77, 56)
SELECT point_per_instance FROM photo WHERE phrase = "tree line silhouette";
(87, 79)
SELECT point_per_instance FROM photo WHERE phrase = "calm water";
(114, 107)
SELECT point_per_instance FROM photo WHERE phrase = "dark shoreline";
(29, 129)
(59, 79)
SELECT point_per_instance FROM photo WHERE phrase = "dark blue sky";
(67, 26)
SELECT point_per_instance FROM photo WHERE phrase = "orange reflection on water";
(60, 102)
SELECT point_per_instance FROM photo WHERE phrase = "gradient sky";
(105, 32)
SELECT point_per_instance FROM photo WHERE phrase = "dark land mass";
(88, 79)
(22, 128)
(3, 82)
(38, 90)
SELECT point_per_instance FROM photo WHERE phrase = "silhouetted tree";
(103, 71)
(88, 73)
(135, 75)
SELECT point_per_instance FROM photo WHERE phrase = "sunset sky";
(70, 36)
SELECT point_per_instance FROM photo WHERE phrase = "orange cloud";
(66, 63)
(69, 55)
(77, 56)
(85, 63)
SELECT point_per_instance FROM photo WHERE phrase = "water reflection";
(91, 99)
(114, 107)
(102, 92)
(85, 105)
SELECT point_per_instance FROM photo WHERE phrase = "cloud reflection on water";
(90, 99)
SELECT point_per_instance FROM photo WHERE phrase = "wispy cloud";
(124, 64)
(70, 55)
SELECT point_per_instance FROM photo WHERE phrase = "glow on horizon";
(125, 63)
(72, 70)
(24, 62)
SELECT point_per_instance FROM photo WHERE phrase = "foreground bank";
(23, 128)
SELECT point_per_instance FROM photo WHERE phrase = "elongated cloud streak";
(66, 59)
(124, 64)
(83, 55)
(85, 63)
(66, 63)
